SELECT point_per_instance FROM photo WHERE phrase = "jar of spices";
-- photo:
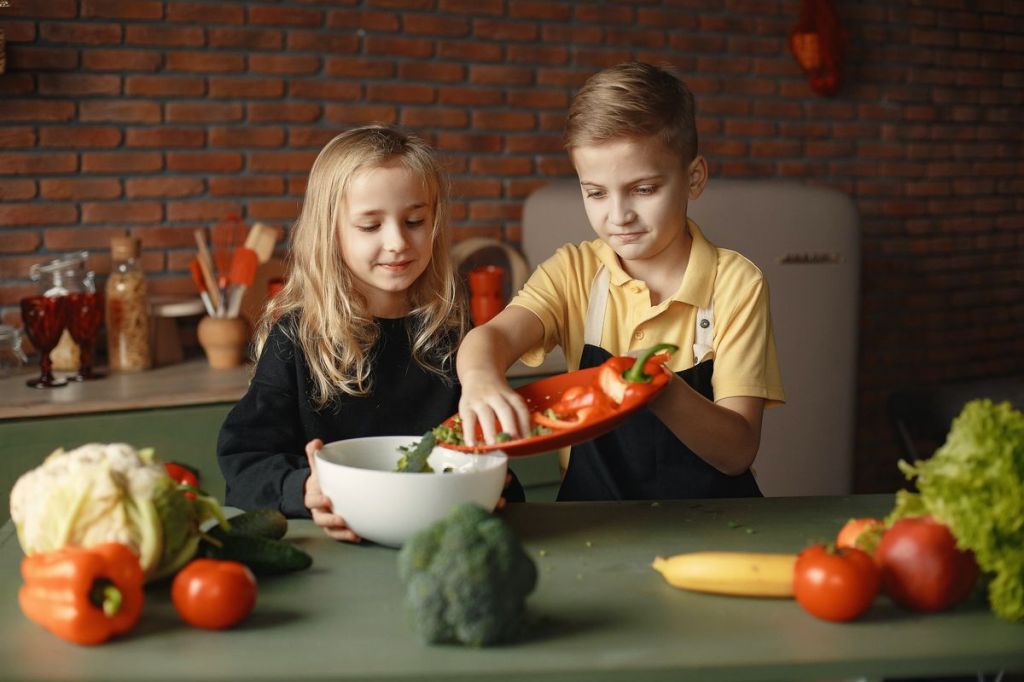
(127, 309)
(12, 357)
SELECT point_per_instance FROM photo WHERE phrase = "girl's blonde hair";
(634, 99)
(327, 317)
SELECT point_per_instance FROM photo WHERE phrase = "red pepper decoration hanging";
(83, 595)
(818, 42)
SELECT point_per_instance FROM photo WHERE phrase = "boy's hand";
(320, 505)
(491, 403)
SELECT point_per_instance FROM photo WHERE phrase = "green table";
(604, 613)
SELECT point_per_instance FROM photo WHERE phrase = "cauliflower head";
(109, 493)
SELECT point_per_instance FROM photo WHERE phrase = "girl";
(361, 339)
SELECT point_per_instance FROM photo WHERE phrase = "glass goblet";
(44, 318)
(85, 314)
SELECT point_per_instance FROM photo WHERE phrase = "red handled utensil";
(197, 278)
(241, 275)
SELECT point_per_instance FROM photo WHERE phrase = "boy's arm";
(484, 356)
(726, 434)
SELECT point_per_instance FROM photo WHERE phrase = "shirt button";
(704, 324)
(638, 335)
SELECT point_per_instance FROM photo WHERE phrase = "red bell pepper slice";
(581, 404)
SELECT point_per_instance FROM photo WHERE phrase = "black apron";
(642, 459)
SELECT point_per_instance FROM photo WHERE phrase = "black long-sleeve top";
(261, 448)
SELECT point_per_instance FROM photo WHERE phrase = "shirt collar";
(699, 279)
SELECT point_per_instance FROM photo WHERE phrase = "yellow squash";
(748, 574)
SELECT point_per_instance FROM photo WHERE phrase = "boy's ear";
(697, 174)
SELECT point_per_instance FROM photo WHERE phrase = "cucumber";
(263, 523)
(263, 556)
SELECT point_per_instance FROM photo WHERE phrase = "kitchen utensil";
(225, 237)
(254, 299)
(197, 278)
(261, 239)
(387, 507)
(240, 276)
(542, 394)
(209, 274)
(44, 318)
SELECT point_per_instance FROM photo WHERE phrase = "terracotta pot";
(224, 340)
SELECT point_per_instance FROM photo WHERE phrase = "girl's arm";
(261, 446)
(483, 359)
(725, 434)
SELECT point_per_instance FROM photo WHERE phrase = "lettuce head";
(109, 493)
(974, 484)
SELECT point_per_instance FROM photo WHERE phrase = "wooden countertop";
(600, 613)
(188, 383)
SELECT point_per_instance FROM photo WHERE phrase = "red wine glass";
(85, 314)
(44, 318)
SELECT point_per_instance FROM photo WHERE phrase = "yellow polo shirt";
(744, 344)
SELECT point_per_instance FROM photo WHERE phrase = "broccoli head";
(466, 579)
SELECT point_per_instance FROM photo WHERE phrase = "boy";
(651, 277)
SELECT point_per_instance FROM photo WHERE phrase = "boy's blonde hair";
(634, 99)
(328, 318)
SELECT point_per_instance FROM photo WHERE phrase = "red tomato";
(213, 594)
(835, 585)
(921, 567)
(182, 475)
(858, 533)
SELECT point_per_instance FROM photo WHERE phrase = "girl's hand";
(491, 403)
(320, 505)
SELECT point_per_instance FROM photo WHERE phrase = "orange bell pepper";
(621, 377)
(85, 595)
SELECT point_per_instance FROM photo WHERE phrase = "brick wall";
(161, 116)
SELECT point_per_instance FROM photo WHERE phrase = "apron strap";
(704, 339)
(593, 324)
(597, 303)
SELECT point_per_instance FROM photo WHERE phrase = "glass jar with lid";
(12, 357)
(64, 275)
(127, 309)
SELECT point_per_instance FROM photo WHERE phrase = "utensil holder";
(224, 340)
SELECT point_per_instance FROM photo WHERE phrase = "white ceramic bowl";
(387, 507)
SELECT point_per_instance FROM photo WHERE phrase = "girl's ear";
(697, 174)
